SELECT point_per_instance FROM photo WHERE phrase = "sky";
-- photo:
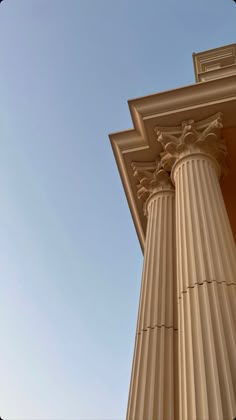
(70, 260)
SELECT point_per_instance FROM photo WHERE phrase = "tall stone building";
(178, 168)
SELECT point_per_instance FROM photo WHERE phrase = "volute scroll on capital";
(151, 178)
(192, 137)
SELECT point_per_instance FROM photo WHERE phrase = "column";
(206, 271)
(152, 389)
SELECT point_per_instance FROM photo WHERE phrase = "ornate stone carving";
(192, 137)
(151, 178)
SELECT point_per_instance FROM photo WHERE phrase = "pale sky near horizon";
(70, 260)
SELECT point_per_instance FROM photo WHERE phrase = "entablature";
(166, 109)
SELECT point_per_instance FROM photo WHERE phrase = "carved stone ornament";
(192, 137)
(151, 178)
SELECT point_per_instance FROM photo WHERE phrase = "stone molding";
(191, 138)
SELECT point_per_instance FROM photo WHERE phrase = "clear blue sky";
(70, 261)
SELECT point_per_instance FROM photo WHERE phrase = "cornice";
(167, 109)
(184, 97)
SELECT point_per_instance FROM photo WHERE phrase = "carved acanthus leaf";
(150, 177)
(192, 137)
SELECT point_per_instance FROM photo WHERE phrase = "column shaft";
(152, 395)
(206, 275)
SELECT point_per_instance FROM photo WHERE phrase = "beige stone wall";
(228, 182)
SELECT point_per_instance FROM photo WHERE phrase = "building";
(178, 169)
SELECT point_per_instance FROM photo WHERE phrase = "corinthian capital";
(151, 178)
(191, 137)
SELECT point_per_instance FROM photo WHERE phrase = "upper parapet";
(214, 64)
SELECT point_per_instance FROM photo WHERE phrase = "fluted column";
(206, 272)
(152, 388)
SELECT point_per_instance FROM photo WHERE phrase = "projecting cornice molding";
(166, 109)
